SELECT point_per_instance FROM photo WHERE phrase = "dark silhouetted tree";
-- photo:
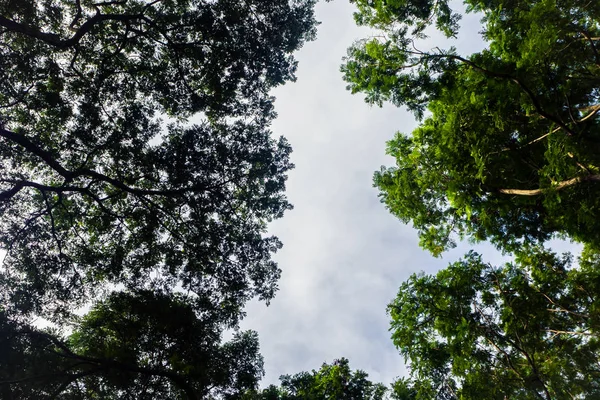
(137, 177)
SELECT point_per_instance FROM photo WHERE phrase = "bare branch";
(78, 15)
(558, 332)
(8, 194)
(24, 142)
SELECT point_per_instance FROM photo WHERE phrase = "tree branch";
(55, 40)
(531, 362)
(69, 176)
(594, 110)
(24, 142)
(559, 186)
(42, 188)
(559, 332)
(591, 41)
(8, 194)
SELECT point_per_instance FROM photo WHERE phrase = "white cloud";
(344, 255)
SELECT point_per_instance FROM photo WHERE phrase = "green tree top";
(508, 148)
(526, 330)
(334, 381)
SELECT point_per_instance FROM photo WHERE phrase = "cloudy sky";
(344, 255)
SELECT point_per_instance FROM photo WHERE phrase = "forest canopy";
(139, 173)
(525, 330)
(111, 197)
(507, 148)
(506, 151)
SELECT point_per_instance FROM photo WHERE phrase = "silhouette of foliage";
(138, 174)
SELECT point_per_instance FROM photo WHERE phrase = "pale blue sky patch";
(344, 255)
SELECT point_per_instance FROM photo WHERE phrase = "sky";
(344, 255)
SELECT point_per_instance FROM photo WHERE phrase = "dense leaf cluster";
(527, 330)
(137, 177)
(143, 345)
(506, 151)
(509, 148)
(334, 381)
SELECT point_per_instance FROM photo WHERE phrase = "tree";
(334, 381)
(112, 197)
(507, 149)
(96, 188)
(527, 330)
(193, 220)
(131, 346)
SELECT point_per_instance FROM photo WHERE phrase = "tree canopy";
(138, 174)
(99, 185)
(335, 381)
(507, 149)
(526, 330)
(143, 345)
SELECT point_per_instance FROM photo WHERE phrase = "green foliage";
(142, 345)
(508, 149)
(110, 197)
(332, 382)
(96, 189)
(527, 330)
(413, 15)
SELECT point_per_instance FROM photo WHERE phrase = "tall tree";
(507, 149)
(102, 180)
(527, 330)
(334, 381)
(111, 198)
